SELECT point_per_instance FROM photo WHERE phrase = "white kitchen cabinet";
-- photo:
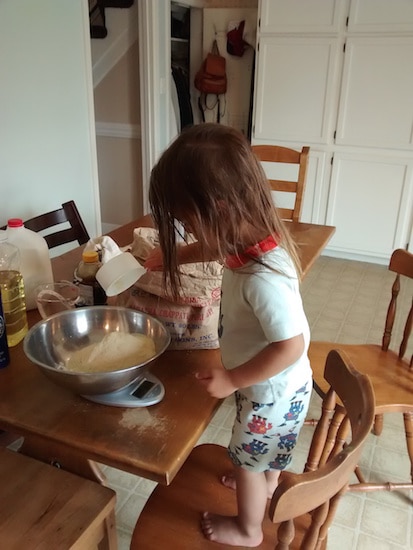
(289, 16)
(376, 107)
(382, 16)
(369, 202)
(289, 71)
(337, 76)
(316, 189)
(327, 16)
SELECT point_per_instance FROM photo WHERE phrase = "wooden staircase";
(97, 15)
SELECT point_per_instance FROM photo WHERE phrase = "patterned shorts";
(264, 435)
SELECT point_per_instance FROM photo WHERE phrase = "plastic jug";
(35, 264)
(12, 293)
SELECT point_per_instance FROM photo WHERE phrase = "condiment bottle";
(35, 264)
(92, 294)
(4, 347)
(12, 293)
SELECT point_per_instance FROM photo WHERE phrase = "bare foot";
(228, 480)
(226, 530)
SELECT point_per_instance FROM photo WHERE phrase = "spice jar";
(91, 293)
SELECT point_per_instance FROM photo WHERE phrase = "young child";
(210, 181)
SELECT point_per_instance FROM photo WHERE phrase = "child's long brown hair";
(210, 175)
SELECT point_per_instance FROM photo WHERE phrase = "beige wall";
(117, 113)
(117, 96)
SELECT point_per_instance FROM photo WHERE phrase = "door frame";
(155, 84)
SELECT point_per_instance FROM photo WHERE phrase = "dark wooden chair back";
(303, 505)
(283, 155)
(401, 263)
(68, 214)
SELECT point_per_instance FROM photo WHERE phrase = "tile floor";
(345, 301)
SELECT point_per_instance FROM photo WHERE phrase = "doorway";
(157, 121)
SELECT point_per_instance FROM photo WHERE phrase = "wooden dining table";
(75, 434)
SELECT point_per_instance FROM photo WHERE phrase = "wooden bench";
(44, 507)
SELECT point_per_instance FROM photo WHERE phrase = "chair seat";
(43, 507)
(391, 377)
(176, 510)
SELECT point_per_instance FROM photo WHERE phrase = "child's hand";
(217, 382)
(154, 262)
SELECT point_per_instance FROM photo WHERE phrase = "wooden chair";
(303, 505)
(44, 507)
(284, 155)
(390, 373)
(68, 214)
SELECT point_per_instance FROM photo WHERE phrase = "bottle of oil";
(12, 293)
(4, 347)
(92, 294)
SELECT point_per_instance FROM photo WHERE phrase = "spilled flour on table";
(141, 420)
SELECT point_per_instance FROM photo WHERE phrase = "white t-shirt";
(259, 306)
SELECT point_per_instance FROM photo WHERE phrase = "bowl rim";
(68, 372)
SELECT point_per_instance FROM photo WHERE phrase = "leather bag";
(211, 77)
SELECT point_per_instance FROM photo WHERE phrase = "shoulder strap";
(215, 49)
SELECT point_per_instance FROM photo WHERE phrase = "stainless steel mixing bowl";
(51, 342)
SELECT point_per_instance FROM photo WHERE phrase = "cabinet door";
(286, 16)
(370, 203)
(316, 187)
(376, 107)
(295, 81)
(381, 16)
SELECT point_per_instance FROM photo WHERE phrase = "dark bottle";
(4, 348)
(91, 293)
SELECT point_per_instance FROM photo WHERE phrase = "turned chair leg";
(378, 424)
(408, 428)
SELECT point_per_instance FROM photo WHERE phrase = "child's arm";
(272, 360)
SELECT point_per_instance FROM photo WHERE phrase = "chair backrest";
(295, 184)
(67, 214)
(331, 459)
(401, 263)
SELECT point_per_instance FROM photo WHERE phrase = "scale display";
(144, 391)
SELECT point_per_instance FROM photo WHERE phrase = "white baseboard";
(356, 257)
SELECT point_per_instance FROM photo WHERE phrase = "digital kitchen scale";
(142, 392)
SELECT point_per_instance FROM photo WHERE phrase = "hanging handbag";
(211, 77)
